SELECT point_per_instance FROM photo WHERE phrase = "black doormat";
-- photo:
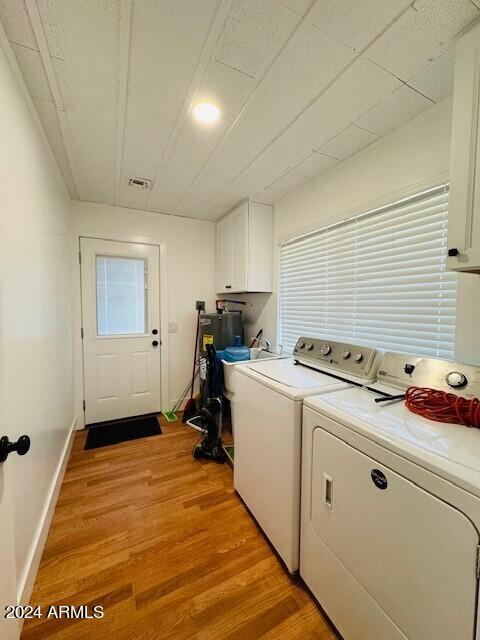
(107, 433)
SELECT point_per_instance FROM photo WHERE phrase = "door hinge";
(478, 562)
(81, 332)
(84, 405)
(79, 257)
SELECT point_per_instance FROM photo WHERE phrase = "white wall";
(190, 263)
(414, 156)
(35, 317)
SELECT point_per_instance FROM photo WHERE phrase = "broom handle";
(195, 354)
(184, 393)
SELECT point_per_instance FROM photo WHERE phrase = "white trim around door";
(154, 256)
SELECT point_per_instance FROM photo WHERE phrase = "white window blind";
(377, 279)
(121, 295)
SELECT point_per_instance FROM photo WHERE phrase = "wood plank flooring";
(165, 545)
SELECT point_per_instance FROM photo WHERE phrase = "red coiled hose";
(443, 407)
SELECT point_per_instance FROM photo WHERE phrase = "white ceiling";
(302, 85)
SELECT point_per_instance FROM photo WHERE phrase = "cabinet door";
(464, 208)
(239, 220)
(224, 255)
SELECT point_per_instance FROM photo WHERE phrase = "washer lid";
(295, 381)
(449, 450)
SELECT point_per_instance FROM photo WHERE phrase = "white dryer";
(268, 419)
(391, 508)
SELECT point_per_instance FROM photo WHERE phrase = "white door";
(9, 629)
(414, 554)
(121, 332)
(239, 247)
(224, 255)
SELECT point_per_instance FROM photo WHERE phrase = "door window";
(121, 285)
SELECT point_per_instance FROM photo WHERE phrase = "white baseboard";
(27, 579)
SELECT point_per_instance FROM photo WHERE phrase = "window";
(377, 279)
(121, 295)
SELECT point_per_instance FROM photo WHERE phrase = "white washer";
(391, 509)
(268, 419)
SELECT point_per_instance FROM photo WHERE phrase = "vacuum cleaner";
(210, 418)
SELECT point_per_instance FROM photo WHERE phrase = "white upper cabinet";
(244, 249)
(464, 209)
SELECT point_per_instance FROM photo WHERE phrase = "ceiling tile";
(253, 34)
(315, 90)
(315, 164)
(273, 163)
(227, 88)
(33, 71)
(146, 132)
(53, 21)
(356, 22)
(190, 153)
(361, 87)
(348, 142)
(222, 205)
(310, 62)
(299, 6)
(84, 34)
(421, 35)
(14, 16)
(162, 32)
(436, 79)
(289, 182)
(402, 105)
(82, 89)
(93, 135)
(269, 196)
(131, 197)
(95, 171)
(48, 116)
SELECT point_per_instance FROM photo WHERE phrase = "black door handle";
(155, 343)
(154, 331)
(453, 252)
(21, 446)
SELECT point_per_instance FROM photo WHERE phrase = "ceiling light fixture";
(206, 112)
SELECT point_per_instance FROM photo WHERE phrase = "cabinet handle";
(453, 252)
(228, 286)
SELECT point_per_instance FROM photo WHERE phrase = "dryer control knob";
(325, 349)
(300, 345)
(358, 357)
(309, 347)
(346, 354)
(456, 379)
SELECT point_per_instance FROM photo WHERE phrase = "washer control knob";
(456, 379)
(309, 347)
(358, 357)
(300, 345)
(325, 349)
(346, 354)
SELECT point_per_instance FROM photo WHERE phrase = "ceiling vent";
(140, 183)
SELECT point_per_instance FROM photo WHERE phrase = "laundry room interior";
(239, 319)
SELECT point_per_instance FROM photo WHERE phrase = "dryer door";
(414, 554)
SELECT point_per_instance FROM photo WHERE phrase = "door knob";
(154, 331)
(155, 343)
(21, 446)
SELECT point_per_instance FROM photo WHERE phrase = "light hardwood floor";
(165, 545)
